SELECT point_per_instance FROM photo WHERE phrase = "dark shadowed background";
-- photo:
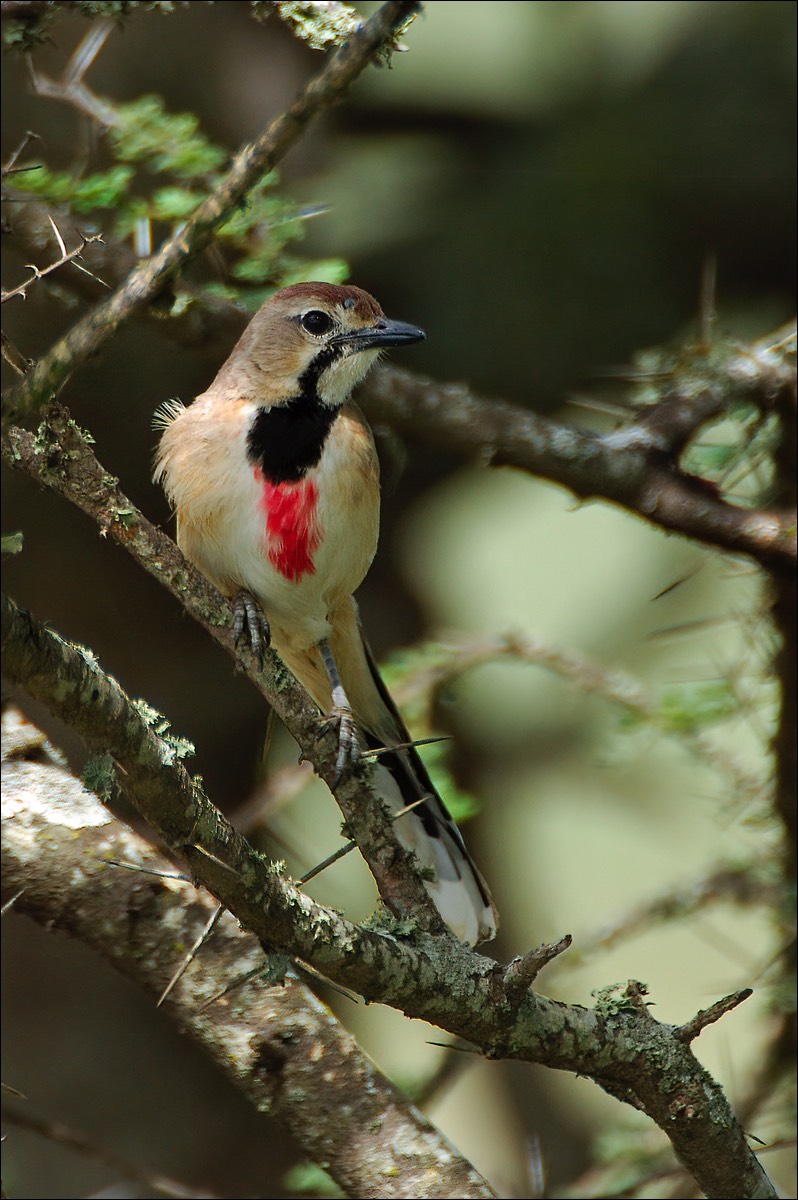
(538, 185)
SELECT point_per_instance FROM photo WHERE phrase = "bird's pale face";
(320, 340)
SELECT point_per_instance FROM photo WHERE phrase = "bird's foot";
(348, 741)
(250, 625)
(341, 714)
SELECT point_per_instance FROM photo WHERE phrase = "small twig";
(536, 1167)
(428, 741)
(62, 1135)
(70, 88)
(231, 987)
(10, 167)
(192, 954)
(707, 304)
(690, 1030)
(192, 846)
(113, 862)
(347, 849)
(327, 862)
(14, 356)
(67, 256)
(10, 902)
(454, 1046)
(149, 279)
(521, 973)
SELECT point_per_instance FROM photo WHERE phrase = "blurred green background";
(538, 185)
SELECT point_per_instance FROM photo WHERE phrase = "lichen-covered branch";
(278, 1044)
(618, 1044)
(93, 331)
(633, 467)
(60, 457)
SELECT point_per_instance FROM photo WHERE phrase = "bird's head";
(316, 340)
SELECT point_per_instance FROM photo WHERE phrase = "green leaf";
(691, 707)
(164, 142)
(308, 1179)
(12, 543)
(105, 189)
(173, 203)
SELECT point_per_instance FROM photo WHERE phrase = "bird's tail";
(455, 885)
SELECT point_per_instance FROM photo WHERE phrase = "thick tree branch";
(436, 978)
(631, 468)
(60, 458)
(93, 331)
(277, 1043)
(618, 1044)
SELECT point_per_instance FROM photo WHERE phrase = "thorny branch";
(618, 1044)
(147, 281)
(277, 1044)
(636, 467)
(462, 654)
(57, 1133)
(742, 885)
(67, 256)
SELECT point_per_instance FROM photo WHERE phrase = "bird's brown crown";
(361, 304)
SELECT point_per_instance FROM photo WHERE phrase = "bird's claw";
(348, 741)
(250, 625)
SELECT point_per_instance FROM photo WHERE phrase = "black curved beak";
(380, 335)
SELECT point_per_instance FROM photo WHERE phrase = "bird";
(273, 476)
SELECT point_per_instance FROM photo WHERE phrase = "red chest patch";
(292, 529)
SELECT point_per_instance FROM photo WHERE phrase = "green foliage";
(174, 747)
(168, 143)
(618, 998)
(322, 26)
(693, 706)
(147, 141)
(99, 776)
(12, 543)
(25, 35)
(102, 190)
(308, 1179)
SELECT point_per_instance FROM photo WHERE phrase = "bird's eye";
(316, 322)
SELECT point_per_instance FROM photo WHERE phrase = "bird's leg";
(250, 624)
(348, 745)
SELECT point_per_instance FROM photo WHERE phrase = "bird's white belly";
(299, 548)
